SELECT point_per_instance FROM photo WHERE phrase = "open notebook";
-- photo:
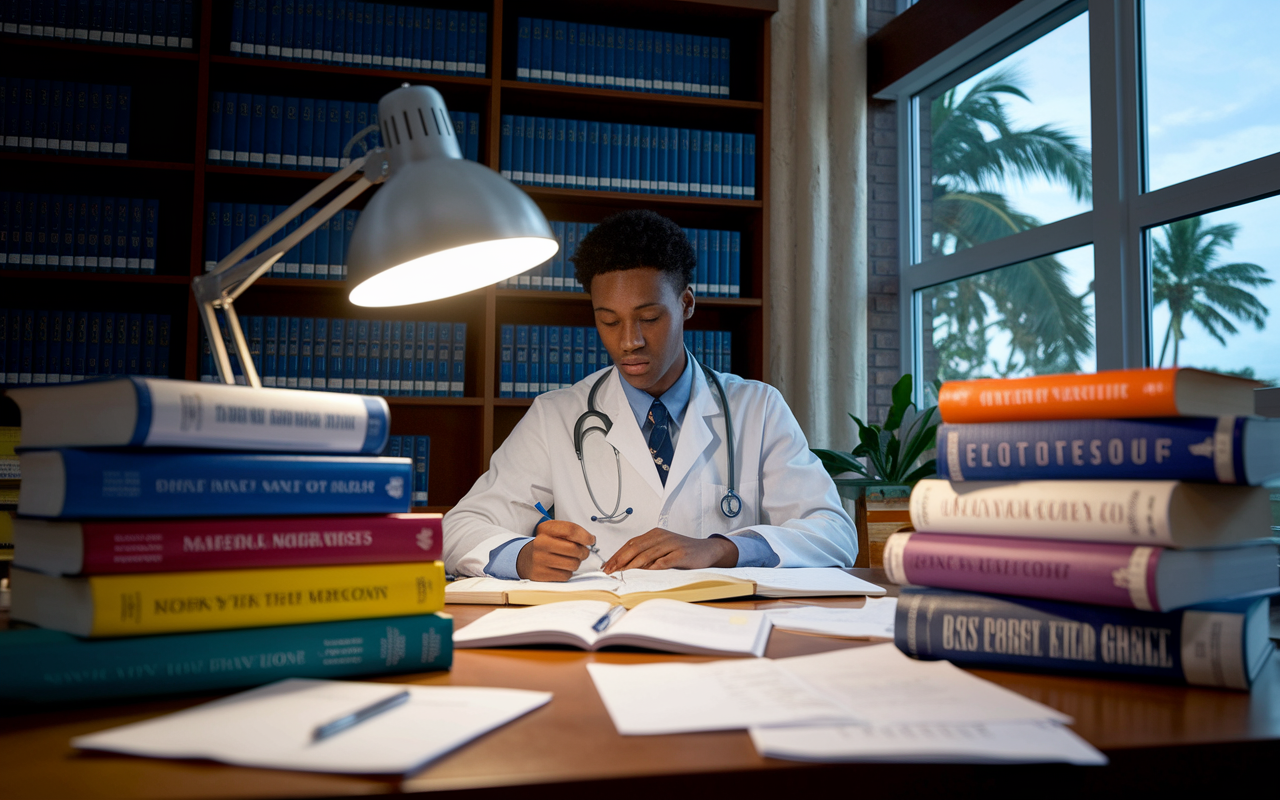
(667, 625)
(634, 586)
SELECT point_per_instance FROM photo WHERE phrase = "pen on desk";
(537, 505)
(608, 619)
(359, 715)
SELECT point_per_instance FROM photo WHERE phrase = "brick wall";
(883, 360)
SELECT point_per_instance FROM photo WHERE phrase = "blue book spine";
(591, 351)
(289, 131)
(332, 135)
(243, 128)
(106, 352)
(724, 68)
(551, 362)
(548, 50)
(291, 353)
(225, 484)
(364, 352)
(451, 65)
(227, 125)
(253, 329)
(684, 173)
(39, 370)
(334, 353)
(471, 65)
(429, 347)
(458, 369)
(473, 136)
(304, 37)
(402, 28)
(394, 358)
(347, 350)
(133, 263)
(421, 469)
(275, 28)
(735, 166)
(306, 132)
(270, 351)
(107, 128)
(715, 275)
(539, 151)
(558, 155)
(749, 166)
(717, 163)
(537, 360)
(559, 52)
(348, 130)
(385, 357)
(439, 39)
(505, 164)
(506, 345)
(557, 282)
(705, 159)
(120, 256)
(726, 272)
(735, 263)
(45, 666)
(523, 32)
(700, 273)
(408, 358)
(164, 332)
(1022, 633)
(261, 27)
(288, 20)
(617, 175)
(579, 354)
(320, 353)
(573, 175)
(215, 128)
(521, 386)
(273, 145)
(120, 359)
(444, 358)
(592, 148)
(376, 352)
(306, 343)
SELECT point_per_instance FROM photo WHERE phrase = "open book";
(634, 586)
(667, 625)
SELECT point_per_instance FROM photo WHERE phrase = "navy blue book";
(46, 666)
(1222, 644)
(333, 136)
(124, 103)
(215, 127)
(262, 26)
(243, 128)
(1235, 450)
(258, 131)
(275, 28)
(274, 132)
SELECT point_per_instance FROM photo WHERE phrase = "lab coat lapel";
(696, 433)
(625, 434)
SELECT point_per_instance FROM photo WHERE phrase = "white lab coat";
(787, 496)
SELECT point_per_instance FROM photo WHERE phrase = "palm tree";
(975, 150)
(1187, 279)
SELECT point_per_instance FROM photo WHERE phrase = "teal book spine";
(42, 666)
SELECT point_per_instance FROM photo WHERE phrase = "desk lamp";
(440, 226)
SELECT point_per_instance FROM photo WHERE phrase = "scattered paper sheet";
(271, 726)
(718, 695)
(939, 743)
(880, 685)
(873, 619)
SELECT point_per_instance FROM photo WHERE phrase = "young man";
(642, 478)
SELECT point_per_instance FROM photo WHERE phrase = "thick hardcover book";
(1125, 393)
(174, 602)
(1221, 644)
(79, 484)
(1157, 513)
(157, 412)
(43, 666)
(1123, 575)
(182, 545)
(1214, 449)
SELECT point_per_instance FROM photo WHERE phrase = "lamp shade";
(439, 225)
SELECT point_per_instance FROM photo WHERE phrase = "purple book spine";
(1118, 575)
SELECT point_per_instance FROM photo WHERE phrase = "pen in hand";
(340, 724)
(547, 518)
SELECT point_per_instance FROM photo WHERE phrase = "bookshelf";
(168, 161)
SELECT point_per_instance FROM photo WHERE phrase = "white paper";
(949, 743)
(628, 581)
(800, 581)
(873, 619)
(718, 695)
(880, 685)
(271, 726)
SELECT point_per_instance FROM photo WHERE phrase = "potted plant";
(885, 458)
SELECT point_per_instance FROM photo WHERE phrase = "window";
(1134, 233)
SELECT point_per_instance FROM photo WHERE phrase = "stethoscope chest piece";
(731, 504)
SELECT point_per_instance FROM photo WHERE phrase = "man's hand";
(558, 547)
(662, 549)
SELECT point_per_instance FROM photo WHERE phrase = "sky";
(1213, 101)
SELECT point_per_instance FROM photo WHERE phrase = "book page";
(876, 618)
(698, 628)
(532, 624)
(800, 581)
(880, 685)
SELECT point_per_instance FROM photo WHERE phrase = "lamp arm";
(219, 287)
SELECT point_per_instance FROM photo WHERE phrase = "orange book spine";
(1100, 395)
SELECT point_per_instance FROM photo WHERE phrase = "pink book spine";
(183, 545)
(1079, 572)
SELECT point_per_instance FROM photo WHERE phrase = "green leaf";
(837, 463)
(901, 402)
(927, 469)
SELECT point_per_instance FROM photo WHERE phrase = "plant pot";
(879, 510)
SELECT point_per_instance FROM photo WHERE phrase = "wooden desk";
(1156, 736)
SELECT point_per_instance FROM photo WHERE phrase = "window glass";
(1215, 280)
(1032, 318)
(1212, 90)
(1008, 149)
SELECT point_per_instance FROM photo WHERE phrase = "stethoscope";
(730, 504)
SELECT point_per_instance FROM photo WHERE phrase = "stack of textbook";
(1117, 520)
(180, 536)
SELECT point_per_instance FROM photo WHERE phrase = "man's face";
(640, 316)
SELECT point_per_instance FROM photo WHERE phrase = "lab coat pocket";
(716, 501)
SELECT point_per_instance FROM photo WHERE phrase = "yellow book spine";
(170, 602)
(9, 438)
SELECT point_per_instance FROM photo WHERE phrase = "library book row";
(78, 233)
(418, 449)
(534, 359)
(615, 157)
(43, 346)
(155, 23)
(65, 117)
(603, 56)
(254, 130)
(360, 356)
(320, 256)
(717, 274)
(372, 35)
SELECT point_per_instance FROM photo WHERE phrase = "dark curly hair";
(633, 239)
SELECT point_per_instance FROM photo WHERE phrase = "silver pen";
(354, 718)
(608, 619)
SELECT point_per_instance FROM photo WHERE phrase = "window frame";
(1123, 213)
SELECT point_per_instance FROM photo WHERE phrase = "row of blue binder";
(373, 35)
(616, 157)
(78, 233)
(717, 274)
(418, 449)
(534, 359)
(606, 57)
(392, 358)
(322, 255)
(65, 117)
(43, 346)
(255, 130)
(132, 23)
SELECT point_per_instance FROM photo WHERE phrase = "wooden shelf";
(513, 402)
(168, 53)
(368, 72)
(103, 277)
(434, 401)
(264, 172)
(586, 94)
(632, 199)
(87, 161)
